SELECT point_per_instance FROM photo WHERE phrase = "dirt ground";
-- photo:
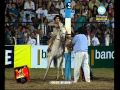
(103, 80)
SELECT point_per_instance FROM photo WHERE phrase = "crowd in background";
(24, 19)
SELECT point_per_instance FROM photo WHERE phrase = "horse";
(56, 51)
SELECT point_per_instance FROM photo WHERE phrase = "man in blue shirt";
(80, 49)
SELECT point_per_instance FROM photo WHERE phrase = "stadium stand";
(24, 19)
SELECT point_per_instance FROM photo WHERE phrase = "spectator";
(45, 11)
(26, 34)
(110, 9)
(80, 22)
(21, 16)
(44, 31)
(32, 40)
(20, 36)
(102, 36)
(49, 4)
(34, 22)
(94, 40)
(73, 3)
(85, 11)
(20, 4)
(7, 36)
(62, 12)
(59, 5)
(44, 26)
(26, 20)
(104, 3)
(13, 36)
(94, 11)
(39, 12)
(8, 7)
(13, 12)
(87, 28)
(42, 12)
(107, 37)
(78, 7)
(29, 7)
(52, 10)
(92, 3)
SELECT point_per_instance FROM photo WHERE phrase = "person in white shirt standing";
(95, 40)
(31, 39)
(107, 37)
(42, 12)
(29, 7)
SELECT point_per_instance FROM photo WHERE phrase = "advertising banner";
(22, 55)
(9, 56)
(39, 56)
(36, 56)
(101, 56)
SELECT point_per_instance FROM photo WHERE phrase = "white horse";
(57, 51)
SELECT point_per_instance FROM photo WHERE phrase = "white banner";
(39, 57)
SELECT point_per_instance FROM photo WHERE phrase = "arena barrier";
(101, 56)
(36, 56)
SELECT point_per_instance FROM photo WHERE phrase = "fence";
(36, 56)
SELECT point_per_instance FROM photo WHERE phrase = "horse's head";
(62, 33)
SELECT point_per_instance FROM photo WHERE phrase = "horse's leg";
(49, 63)
(59, 64)
(62, 70)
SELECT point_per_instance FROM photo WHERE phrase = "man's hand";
(49, 49)
(56, 26)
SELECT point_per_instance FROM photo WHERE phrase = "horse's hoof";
(57, 78)
(43, 79)
(63, 77)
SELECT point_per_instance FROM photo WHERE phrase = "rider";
(57, 25)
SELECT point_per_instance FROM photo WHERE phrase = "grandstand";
(26, 25)
(23, 22)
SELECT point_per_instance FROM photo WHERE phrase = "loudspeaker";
(22, 74)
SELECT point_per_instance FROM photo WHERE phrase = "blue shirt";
(80, 43)
(14, 11)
